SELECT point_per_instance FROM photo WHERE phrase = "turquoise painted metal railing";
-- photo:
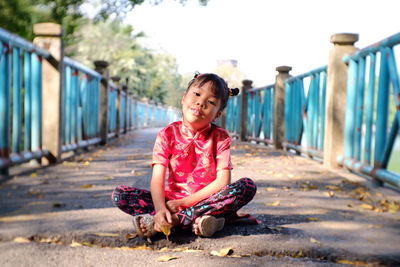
(21, 104)
(373, 112)
(112, 108)
(233, 116)
(20, 100)
(260, 110)
(305, 112)
(81, 106)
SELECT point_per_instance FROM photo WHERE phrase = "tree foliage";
(151, 74)
(121, 7)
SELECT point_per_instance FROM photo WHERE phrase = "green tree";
(16, 17)
(151, 74)
(120, 8)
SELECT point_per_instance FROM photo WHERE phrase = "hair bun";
(196, 74)
(233, 91)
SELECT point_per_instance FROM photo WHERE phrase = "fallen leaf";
(313, 219)
(355, 263)
(21, 240)
(130, 235)
(366, 207)
(107, 234)
(329, 194)
(222, 253)
(270, 189)
(334, 188)
(108, 177)
(143, 247)
(34, 175)
(89, 244)
(75, 244)
(165, 258)
(86, 163)
(86, 186)
(166, 230)
(313, 240)
(273, 204)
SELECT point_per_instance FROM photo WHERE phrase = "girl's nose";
(200, 103)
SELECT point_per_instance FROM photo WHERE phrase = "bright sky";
(261, 34)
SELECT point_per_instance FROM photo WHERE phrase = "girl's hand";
(175, 205)
(162, 217)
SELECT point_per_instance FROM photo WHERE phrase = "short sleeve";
(224, 154)
(161, 150)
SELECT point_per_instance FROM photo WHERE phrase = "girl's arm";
(157, 186)
(223, 179)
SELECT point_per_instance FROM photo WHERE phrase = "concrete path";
(62, 215)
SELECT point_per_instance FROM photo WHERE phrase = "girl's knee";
(248, 186)
(247, 183)
(116, 195)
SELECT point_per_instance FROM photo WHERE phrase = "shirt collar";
(187, 132)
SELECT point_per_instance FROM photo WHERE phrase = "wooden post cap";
(283, 69)
(47, 29)
(100, 66)
(247, 82)
(344, 38)
(115, 79)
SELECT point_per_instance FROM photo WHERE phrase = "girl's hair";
(219, 86)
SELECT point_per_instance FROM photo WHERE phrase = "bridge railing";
(259, 114)
(51, 104)
(305, 112)
(81, 106)
(373, 111)
(20, 100)
(346, 113)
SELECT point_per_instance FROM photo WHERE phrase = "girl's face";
(200, 106)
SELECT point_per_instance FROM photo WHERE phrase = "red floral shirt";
(193, 158)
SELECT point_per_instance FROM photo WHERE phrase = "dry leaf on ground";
(273, 204)
(223, 252)
(164, 258)
(21, 240)
(107, 234)
(86, 186)
(75, 244)
(270, 189)
(130, 235)
(313, 240)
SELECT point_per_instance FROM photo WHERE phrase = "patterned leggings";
(225, 203)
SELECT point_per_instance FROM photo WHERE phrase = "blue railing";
(233, 116)
(20, 100)
(260, 106)
(81, 106)
(373, 112)
(305, 112)
(21, 104)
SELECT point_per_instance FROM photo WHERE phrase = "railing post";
(101, 67)
(279, 105)
(246, 85)
(336, 94)
(116, 80)
(49, 37)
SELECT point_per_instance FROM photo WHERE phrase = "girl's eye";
(196, 94)
(211, 102)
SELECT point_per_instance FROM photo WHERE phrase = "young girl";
(199, 192)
